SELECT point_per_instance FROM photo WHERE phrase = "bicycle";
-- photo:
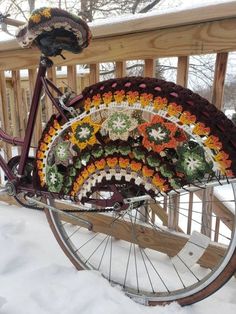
(115, 167)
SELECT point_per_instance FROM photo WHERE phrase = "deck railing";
(181, 34)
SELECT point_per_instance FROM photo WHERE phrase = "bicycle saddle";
(54, 30)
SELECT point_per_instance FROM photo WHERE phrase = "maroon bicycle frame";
(41, 82)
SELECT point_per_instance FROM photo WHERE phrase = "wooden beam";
(169, 243)
(220, 210)
(94, 73)
(4, 111)
(120, 69)
(166, 242)
(161, 214)
(15, 105)
(182, 71)
(72, 77)
(209, 37)
(149, 67)
(142, 23)
(206, 227)
(219, 79)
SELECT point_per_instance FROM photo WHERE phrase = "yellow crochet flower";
(46, 12)
(36, 18)
(83, 132)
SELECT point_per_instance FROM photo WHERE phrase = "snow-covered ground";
(37, 278)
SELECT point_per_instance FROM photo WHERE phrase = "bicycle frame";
(41, 82)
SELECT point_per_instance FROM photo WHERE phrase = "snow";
(37, 278)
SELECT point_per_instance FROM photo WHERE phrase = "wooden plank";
(15, 105)
(219, 79)
(173, 212)
(169, 243)
(167, 20)
(217, 229)
(221, 210)
(162, 215)
(182, 71)
(72, 77)
(161, 241)
(209, 37)
(94, 73)
(211, 12)
(190, 213)
(4, 111)
(120, 69)
(206, 227)
(149, 67)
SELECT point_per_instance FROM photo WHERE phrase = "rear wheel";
(147, 253)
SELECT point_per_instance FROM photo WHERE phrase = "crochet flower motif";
(119, 124)
(158, 134)
(54, 179)
(83, 132)
(192, 162)
(62, 153)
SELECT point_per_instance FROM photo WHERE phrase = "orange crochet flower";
(222, 159)
(76, 187)
(43, 147)
(96, 100)
(107, 98)
(112, 162)
(85, 174)
(47, 138)
(147, 172)
(158, 134)
(87, 104)
(40, 154)
(201, 129)
(52, 131)
(132, 97)
(213, 142)
(91, 168)
(100, 164)
(80, 180)
(39, 164)
(187, 118)
(119, 96)
(56, 125)
(41, 178)
(157, 180)
(174, 109)
(135, 166)
(145, 99)
(123, 162)
(160, 103)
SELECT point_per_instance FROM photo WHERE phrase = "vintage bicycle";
(115, 166)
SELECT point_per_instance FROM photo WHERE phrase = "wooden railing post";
(219, 79)
(149, 67)
(4, 111)
(120, 69)
(72, 77)
(182, 71)
(94, 73)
